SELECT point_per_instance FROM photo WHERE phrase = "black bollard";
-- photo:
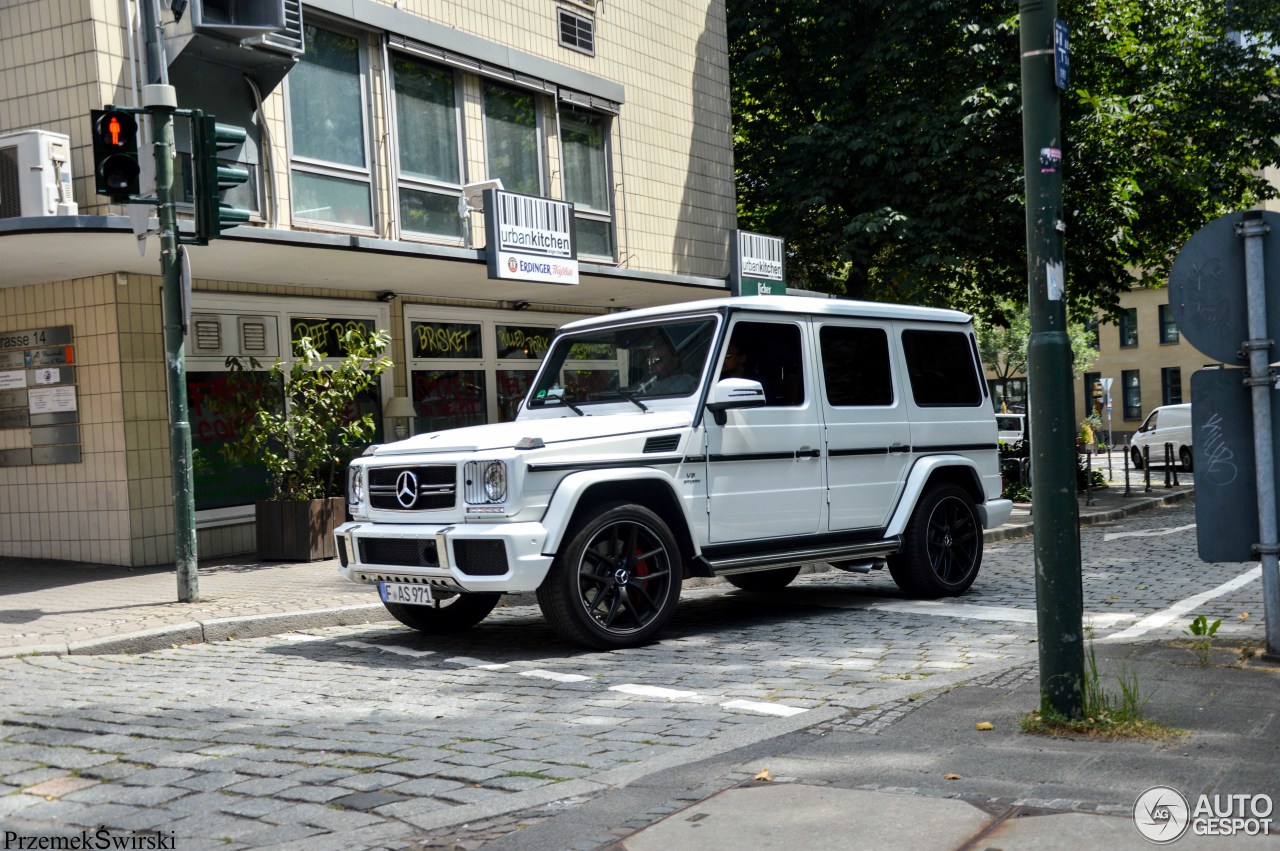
(1146, 468)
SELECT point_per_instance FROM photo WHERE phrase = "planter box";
(298, 530)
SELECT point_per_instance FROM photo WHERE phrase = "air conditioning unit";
(35, 175)
(237, 19)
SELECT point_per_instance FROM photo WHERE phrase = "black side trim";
(875, 450)
(715, 552)
(604, 465)
(755, 456)
(957, 447)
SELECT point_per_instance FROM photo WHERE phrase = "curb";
(201, 632)
(1141, 503)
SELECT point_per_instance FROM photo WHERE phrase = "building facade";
(1148, 360)
(371, 126)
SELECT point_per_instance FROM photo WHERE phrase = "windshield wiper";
(548, 400)
(630, 397)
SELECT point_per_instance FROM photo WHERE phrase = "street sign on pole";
(1061, 55)
(1218, 289)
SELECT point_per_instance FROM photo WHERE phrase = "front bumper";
(498, 557)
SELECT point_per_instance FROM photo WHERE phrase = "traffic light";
(115, 153)
(212, 177)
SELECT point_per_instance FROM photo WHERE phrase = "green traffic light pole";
(1059, 594)
(161, 103)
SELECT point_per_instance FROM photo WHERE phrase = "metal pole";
(161, 101)
(1059, 591)
(1252, 230)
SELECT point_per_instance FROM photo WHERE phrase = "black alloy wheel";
(616, 581)
(941, 547)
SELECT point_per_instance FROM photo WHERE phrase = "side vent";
(665, 443)
(253, 335)
(10, 195)
(577, 32)
(206, 335)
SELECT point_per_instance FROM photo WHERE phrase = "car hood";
(550, 431)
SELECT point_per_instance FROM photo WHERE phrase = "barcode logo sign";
(761, 255)
(533, 225)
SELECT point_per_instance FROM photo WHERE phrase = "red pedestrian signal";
(115, 153)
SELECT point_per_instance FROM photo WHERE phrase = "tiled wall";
(72, 511)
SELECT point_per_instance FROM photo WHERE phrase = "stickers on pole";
(1053, 281)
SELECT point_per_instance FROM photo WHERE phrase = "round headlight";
(495, 481)
(357, 484)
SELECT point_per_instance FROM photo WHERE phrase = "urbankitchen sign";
(530, 238)
(757, 265)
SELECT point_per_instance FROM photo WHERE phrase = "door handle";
(899, 449)
(806, 452)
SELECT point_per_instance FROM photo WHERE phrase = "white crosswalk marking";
(1147, 533)
(553, 675)
(654, 691)
(780, 709)
(1184, 607)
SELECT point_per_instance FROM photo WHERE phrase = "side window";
(855, 366)
(771, 353)
(941, 368)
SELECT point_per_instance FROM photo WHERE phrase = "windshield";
(636, 362)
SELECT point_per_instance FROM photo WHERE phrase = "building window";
(330, 166)
(428, 136)
(577, 31)
(1171, 385)
(584, 152)
(512, 143)
(1132, 385)
(1129, 328)
(1091, 332)
(1168, 328)
(1092, 392)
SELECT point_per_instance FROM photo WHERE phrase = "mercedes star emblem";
(407, 489)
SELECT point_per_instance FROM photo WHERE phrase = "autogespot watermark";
(1163, 815)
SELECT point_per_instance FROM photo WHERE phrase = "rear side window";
(941, 368)
(855, 366)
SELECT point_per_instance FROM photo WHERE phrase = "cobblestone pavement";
(372, 736)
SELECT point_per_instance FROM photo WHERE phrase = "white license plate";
(413, 595)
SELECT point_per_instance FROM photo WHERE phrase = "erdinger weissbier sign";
(530, 238)
(757, 264)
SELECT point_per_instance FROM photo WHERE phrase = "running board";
(750, 562)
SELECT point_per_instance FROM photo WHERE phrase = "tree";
(1003, 348)
(884, 142)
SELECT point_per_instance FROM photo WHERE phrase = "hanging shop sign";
(757, 265)
(530, 238)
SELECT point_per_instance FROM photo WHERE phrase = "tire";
(448, 615)
(1184, 456)
(764, 580)
(615, 580)
(1136, 457)
(941, 547)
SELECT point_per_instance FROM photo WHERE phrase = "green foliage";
(884, 140)
(1203, 632)
(1003, 340)
(304, 449)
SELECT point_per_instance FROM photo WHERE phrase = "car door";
(764, 465)
(868, 433)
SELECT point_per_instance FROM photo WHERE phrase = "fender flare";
(918, 479)
(568, 493)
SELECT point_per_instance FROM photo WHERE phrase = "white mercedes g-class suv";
(740, 437)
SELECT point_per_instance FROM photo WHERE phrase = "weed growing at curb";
(1202, 631)
(1105, 714)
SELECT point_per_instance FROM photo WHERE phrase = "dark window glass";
(447, 399)
(511, 136)
(1171, 385)
(217, 482)
(325, 334)
(1168, 328)
(1132, 387)
(941, 368)
(1092, 392)
(523, 342)
(772, 355)
(855, 366)
(1129, 328)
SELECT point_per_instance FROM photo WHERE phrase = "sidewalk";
(52, 607)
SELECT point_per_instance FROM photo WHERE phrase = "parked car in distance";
(1011, 429)
(856, 434)
(1167, 424)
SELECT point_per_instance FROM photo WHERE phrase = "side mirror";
(733, 393)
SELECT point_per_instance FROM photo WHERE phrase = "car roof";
(797, 305)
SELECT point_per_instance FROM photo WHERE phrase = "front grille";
(433, 488)
(480, 558)
(398, 551)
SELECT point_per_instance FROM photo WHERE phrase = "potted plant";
(305, 444)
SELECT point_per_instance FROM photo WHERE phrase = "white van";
(739, 438)
(1169, 424)
(1011, 429)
